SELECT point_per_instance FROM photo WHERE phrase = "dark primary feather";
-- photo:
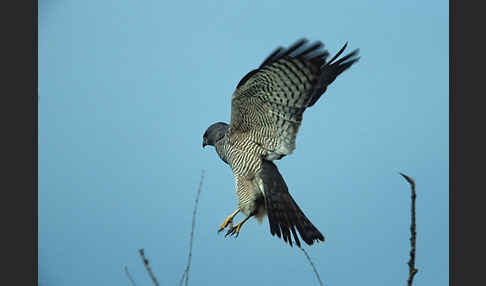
(284, 215)
(330, 70)
(325, 72)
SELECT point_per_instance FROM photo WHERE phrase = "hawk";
(266, 113)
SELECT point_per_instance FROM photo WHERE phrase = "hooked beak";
(204, 144)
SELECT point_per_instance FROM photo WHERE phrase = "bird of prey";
(266, 113)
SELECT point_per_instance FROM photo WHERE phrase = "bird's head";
(214, 133)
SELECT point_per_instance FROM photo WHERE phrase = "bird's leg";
(236, 229)
(228, 220)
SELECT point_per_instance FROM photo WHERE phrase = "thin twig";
(313, 267)
(183, 276)
(186, 271)
(129, 276)
(147, 266)
(411, 263)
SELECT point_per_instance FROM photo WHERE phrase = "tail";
(284, 215)
(330, 70)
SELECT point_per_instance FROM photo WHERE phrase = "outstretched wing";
(268, 102)
(284, 215)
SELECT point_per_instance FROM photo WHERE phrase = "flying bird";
(266, 112)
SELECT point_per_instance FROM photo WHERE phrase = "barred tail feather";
(284, 215)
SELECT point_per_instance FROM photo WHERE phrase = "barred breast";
(244, 157)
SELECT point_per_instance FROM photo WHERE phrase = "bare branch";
(186, 271)
(147, 266)
(411, 263)
(312, 264)
(129, 276)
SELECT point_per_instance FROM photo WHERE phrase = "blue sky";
(127, 88)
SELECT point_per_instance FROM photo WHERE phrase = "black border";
(18, 207)
(466, 143)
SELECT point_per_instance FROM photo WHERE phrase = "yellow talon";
(236, 229)
(228, 220)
